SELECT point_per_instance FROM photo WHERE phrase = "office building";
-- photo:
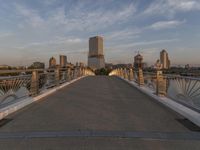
(63, 61)
(96, 56)
(164, 59)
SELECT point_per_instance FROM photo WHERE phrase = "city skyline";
(35, 31)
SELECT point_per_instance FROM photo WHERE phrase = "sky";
(37, 30)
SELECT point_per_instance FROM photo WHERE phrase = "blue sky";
(36, 30)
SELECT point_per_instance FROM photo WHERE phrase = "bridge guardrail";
(184, 90)
(18, 84)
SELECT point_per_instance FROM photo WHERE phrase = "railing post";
(34, 90)
(125, 73)
(77, 72)
(73, 74)
(57, 76)
(140, 77)
(131, 77)
(68, 74)
(84, 72)
(121, 72)
(80, 72)
(117, 72)
(161, 85)
(64, 74)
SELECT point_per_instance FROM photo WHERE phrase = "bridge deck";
(97, 113)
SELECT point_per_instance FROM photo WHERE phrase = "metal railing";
(184, 90)
(18, 84)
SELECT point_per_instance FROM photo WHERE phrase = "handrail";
(35, 81)
(179, 88)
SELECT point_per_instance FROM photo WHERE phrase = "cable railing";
(16, 85)
(184, 90)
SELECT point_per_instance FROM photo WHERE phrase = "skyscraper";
(52, 62)
(96, 57)
(63, 61)
(164, 59)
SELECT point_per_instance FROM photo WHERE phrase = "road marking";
(110, 134)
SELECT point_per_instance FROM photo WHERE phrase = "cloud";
(48, 27)
(48, 2)
(154, 42)
(55, 41)
(130, 33)
(143, 43)
(30, 16)
(184, 5)
(166, 24)
(6, 34)
(76, 17)
(91, 20)
(170, 7)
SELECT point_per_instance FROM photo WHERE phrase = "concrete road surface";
(98, 113)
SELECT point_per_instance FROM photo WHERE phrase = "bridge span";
(97, 112)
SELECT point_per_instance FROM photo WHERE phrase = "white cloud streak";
(123, 34)
(184, 5)
(170, 7)
(122, 47)
(6, 34)
(55, 41)
(166, 24)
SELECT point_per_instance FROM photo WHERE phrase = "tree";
(102, 71)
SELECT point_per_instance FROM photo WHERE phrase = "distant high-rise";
(63, 61)
(96, 57)
(164, 59)
(52, 62)
(138, 61)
